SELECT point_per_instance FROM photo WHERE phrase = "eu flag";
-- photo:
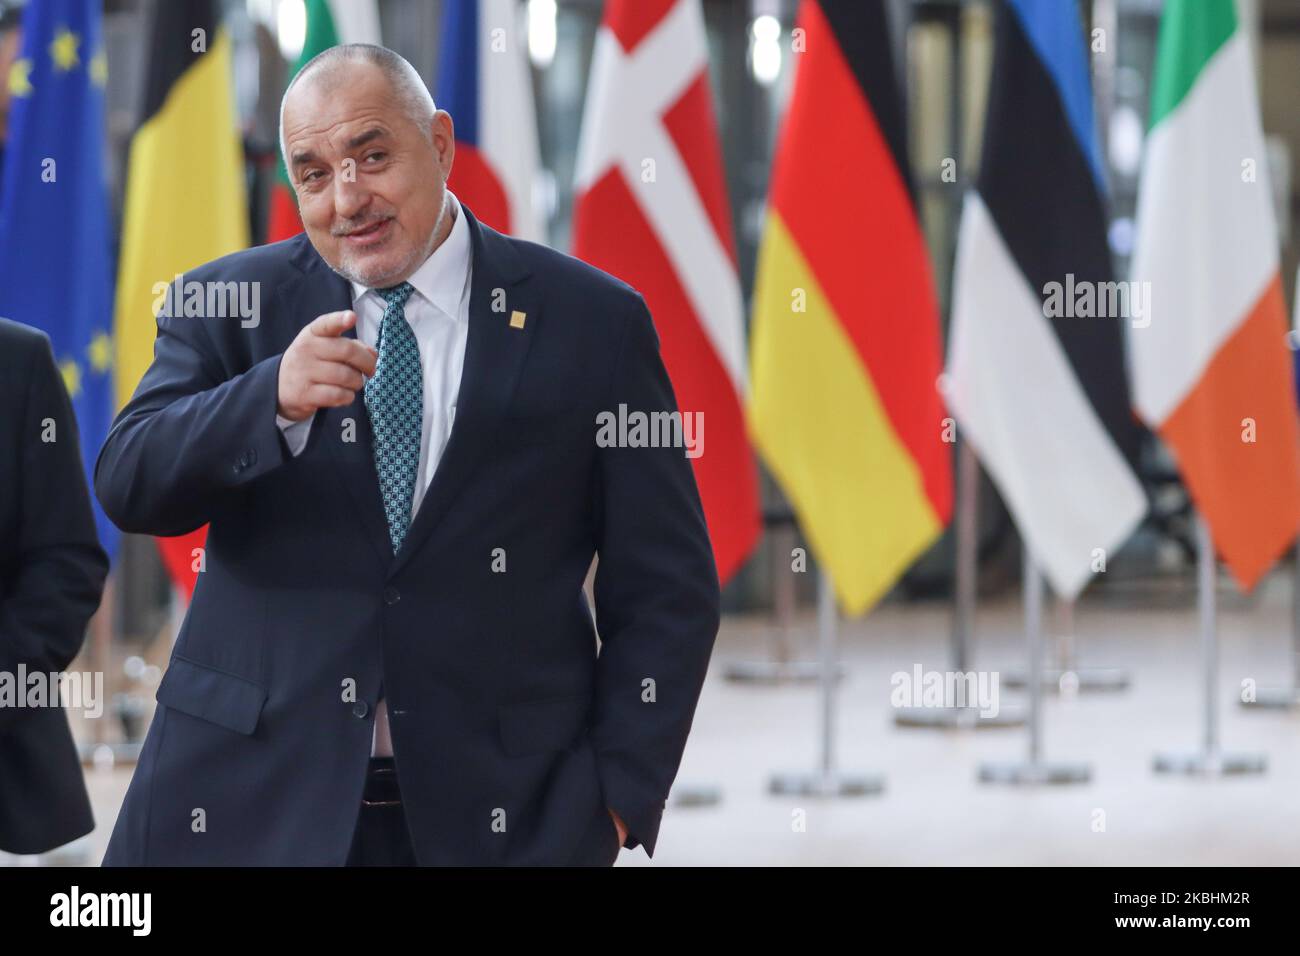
(55, 272)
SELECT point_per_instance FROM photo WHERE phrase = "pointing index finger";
(333, 324)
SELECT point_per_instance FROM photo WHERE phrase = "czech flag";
(484, 83)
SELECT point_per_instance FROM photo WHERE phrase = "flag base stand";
(1210, 761)
(780, 668)
(966, 569)
(1033, 773)
(1065, 677)
(1274, 698)
(826, 780)
(1285, 698)
(1073, 680)
(827, 783)
(958, 718)
(695, 795)
(778, 672)
(110, 754)
(1210, 764)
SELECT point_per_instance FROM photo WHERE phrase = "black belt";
(381, 788)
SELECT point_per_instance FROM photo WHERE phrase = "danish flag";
(651, 208)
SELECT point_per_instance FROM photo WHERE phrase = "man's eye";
(311, 175)
(376, 157)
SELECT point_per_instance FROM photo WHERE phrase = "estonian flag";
(1036, 374)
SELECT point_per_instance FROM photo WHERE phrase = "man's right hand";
(321, 368)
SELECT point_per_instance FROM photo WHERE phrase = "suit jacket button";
(392, 595)
(360, 709)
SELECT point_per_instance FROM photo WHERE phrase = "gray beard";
(377, 282)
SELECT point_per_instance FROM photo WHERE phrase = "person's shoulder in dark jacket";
(579, 292)
(21, 347)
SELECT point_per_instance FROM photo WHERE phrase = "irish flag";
(1211, 372)
(845, 344)
(329, 23)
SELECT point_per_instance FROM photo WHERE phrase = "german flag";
(185, 201)
(845, 349)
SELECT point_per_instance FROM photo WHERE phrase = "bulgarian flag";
(329, 23)
(845, 351)
(1211, 372)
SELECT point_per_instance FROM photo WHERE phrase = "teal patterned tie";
(395, 401)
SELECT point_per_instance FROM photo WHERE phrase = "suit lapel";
(321, 290)
(494, 354)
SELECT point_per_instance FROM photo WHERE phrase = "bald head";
(333, 68)
(368, 156)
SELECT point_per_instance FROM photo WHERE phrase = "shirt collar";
(442, 277)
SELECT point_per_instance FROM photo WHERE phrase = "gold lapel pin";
(517, 319)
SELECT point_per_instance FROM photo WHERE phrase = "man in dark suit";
(389, 657)
(52, 572)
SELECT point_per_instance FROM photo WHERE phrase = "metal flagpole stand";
(826, 781)
(1065, 675)
(1286, 698)
(1210, 761)
(781, 668)
(1034, 771)
(966, 545)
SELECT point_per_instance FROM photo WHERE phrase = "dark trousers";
(381, 837)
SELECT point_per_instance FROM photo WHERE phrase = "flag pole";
(1211, 761)
(965, 579)
(1065, 675)
(1034, 770)
(781, 667)
(826, 780)
(1286, 697)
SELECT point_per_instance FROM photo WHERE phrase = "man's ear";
(444, 139)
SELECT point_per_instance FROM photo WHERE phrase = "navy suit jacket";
(52, 570)
(510, 734)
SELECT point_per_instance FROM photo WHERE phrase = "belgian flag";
(185, 198)
(845, 347)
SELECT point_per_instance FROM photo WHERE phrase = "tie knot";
(396, 295)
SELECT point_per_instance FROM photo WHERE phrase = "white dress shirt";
(438, 313)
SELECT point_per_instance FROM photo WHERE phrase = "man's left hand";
(620, 826)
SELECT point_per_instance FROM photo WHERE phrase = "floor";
(932, 809)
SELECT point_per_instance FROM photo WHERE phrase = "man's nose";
(350, 197)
